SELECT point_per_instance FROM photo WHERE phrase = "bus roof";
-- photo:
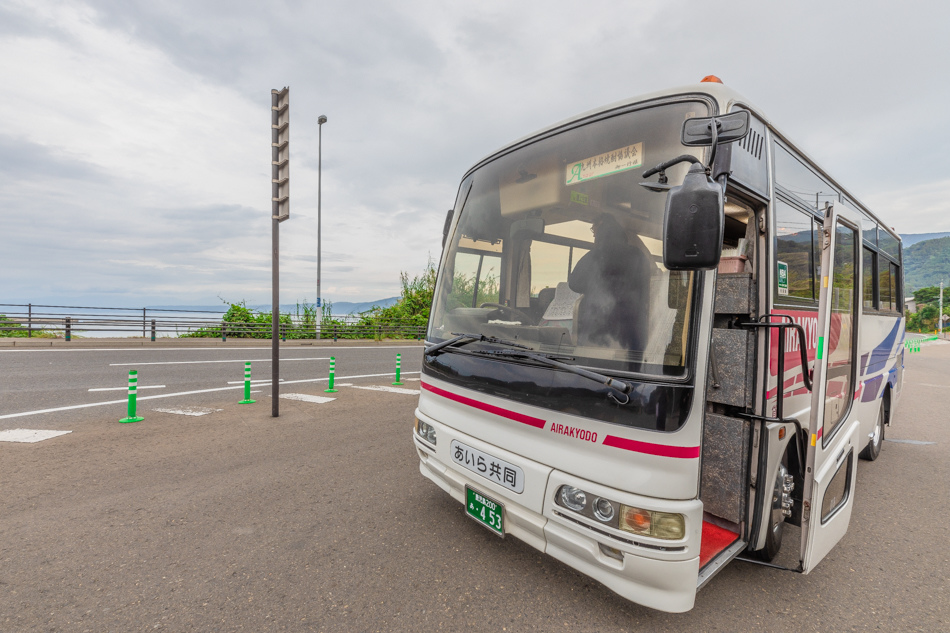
(726, 98)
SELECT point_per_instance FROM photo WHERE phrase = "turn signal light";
(711, 79)
(635, 520)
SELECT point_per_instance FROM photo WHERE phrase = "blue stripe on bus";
(882, 353)
(871, 388)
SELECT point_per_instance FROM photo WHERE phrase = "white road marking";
(919, 442)
(29, 435)
(413, 379)
(258, 381)
(205, 349)
(195, 411)
(180, 393)
(408, 392)
(924, 384)
(126, 387)
(303, 397)
(204, 362)
(393, 374)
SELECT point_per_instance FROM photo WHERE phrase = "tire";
(873, 449)
(776, 529)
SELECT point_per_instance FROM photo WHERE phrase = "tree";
(927, 295)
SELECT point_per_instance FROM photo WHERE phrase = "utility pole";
(320, 121)
(280, 211)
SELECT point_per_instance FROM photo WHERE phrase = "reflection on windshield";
(558, 248)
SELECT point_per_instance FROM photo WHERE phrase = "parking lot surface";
(320, 521)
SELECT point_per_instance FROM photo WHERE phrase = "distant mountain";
(909, 239)
(340, 308)
(927, 263)
(347, 307)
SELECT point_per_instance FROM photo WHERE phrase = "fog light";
(635, 520)
(603, 509)
(612, 552)
(426, 431)
(572, 498)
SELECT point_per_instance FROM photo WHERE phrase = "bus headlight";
(603, 509)
(426, 431)
(572, 498)
(665, 525)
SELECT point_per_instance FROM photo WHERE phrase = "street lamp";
(320, 121)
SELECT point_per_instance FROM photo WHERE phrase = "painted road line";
(292, 382)
(172, 395)
(924, 384)
(261, 381)
(29, 435)
(203, 362)
(46, 350)
(194, 411)
(303, 397)
(126, 388)
(408, 392)
(916, 442)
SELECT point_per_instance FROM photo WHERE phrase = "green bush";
(406, 318)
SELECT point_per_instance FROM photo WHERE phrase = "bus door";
(833, 434)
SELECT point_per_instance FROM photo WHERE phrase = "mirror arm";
(662, 167)
(723, 179)
(714, 130)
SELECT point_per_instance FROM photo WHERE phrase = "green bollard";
(398, 369)
(332, 374)
(133, 384)
(247, 384)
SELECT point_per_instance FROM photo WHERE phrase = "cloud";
(138, 132)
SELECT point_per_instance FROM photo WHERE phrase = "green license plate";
(486, 511)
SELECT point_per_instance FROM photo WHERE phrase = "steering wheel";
(515, 312)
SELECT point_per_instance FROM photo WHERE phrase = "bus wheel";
(781, 508)
(873, 449)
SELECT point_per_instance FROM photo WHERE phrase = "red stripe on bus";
(661, 450)
(537, 423)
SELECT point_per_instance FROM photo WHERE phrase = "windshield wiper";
(618, 385)
(470, 338)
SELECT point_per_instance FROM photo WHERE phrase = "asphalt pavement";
(320, 521)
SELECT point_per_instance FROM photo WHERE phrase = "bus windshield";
(557, 246)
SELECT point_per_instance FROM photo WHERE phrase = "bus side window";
(885, 284)
(870, 271)
(795, 253)
(895, 297)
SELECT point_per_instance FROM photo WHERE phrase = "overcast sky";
(135, 134)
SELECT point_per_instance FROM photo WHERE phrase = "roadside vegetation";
(406, 319)
(13, 329)
(928, 302)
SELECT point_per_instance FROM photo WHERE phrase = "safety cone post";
(332, 372)
(133, 384)
(247, 384)
(398, 369)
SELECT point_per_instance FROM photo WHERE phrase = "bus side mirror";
(693, 223)
(446, 226)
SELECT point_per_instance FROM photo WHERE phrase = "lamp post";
(320, 121)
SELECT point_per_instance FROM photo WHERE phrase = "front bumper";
(658, 576)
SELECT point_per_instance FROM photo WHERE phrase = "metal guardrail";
(44, 320)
